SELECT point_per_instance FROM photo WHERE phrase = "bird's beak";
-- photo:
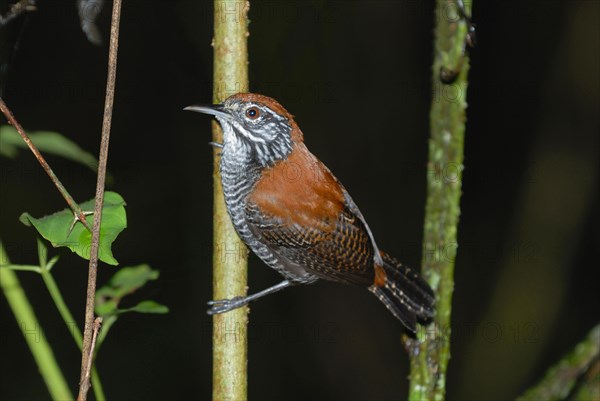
(216, 110)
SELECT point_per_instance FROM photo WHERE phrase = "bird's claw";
(217, 145)
(225, 305)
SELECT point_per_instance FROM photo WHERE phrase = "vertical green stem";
(67, 317)
(430, 351)
(32, 331)
(229, 253)
(64, 311)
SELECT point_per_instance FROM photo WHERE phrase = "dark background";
(357, 76)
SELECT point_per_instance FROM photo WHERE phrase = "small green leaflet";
(47, 142)
(126, 281)
(55, 228)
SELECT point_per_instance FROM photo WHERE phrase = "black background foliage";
(357, 76)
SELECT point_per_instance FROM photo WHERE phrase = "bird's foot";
(225, 305)
(217, 145)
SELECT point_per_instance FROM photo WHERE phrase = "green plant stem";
(229, 253)
(430, 351)
(67, 317)
(589, 389)
(32, 331)
(560, 380)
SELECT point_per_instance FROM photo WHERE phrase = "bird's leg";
(225, 305)
(218, 146)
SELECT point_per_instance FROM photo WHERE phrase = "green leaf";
(124, 282)
(55, 228)
(47, 142)
(127, 280)
(8, 147)
(106, 308)
(147, 307)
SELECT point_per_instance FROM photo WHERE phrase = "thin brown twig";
(88, 368)
(87, 349)
(79, 214)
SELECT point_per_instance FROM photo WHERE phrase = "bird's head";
(255, 125)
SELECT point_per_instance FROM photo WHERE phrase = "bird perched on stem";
(293, 213)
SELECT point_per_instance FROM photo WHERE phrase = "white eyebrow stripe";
(247, 133)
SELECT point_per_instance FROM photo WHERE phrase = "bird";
(297, 217)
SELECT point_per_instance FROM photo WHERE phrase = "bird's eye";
(253, 113)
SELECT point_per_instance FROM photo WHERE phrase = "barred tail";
(404, 293)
